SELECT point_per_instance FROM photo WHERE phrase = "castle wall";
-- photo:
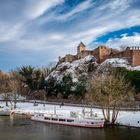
(84, 54)
(132, 54)
(127, 54)
(61, 60)
(70, 58)
(95, 53)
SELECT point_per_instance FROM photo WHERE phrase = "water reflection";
(21, 129)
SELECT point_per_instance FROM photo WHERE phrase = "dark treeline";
(33, 85)
(132, 76)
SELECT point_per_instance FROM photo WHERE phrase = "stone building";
(101, 53)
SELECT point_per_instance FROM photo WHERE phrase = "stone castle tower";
(81, 47)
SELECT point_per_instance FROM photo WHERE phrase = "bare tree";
(15, 86)
(110, 92)
(4, 87)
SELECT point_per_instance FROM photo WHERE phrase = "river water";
(23, 129)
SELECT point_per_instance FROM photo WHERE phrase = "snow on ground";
(134, 68)
(127, 118)
(29, 108)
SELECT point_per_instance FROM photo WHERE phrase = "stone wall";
(70, 58)
(95, 53)
(84, 54)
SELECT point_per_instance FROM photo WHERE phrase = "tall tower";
(104, 53)
(81, 47)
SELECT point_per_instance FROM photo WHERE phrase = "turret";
(80, 48)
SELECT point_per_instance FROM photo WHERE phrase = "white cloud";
(10, 32)
(125, 40)
(79, 8)
(37, 8)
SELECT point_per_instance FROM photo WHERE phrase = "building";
(101, 53)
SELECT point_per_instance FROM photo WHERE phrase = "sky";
(37, 32)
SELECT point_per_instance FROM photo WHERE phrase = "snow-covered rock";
(118, 62)
(74, 69)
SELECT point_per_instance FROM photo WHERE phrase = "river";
(24, 129)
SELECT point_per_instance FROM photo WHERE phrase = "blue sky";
(36, 32)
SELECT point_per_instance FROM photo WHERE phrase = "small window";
(41, 115)
(92, 122)
(54, 119)
(138, 121)
(70, 120)
(62, 120)
(46, 118)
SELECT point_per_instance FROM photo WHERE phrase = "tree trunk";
(6, 102)
(104, 114)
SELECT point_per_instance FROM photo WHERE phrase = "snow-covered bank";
(127, 118)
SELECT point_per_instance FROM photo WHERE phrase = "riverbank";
(125, 118)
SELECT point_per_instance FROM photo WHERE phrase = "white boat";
(70, 121)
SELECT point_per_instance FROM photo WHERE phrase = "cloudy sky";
(36, 32)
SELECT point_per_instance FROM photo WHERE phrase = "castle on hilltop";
(101, 53)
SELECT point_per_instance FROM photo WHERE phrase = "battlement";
(133, 48)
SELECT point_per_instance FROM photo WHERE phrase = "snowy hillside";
(81, 67)
(74, 69)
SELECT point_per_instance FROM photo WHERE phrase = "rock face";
(84, 66)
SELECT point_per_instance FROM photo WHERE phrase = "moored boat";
(70, 121)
